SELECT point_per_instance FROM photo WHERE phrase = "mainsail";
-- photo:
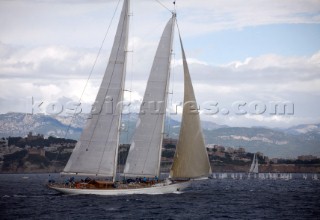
(96, 151)
(191, 158)
(145, 150)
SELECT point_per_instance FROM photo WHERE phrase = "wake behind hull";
(154, 190)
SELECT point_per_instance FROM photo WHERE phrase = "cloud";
(83, 23)
(50, 52)
(269, 68)
(222, 15)
(266, 79)
(52, 72)
(262, 120)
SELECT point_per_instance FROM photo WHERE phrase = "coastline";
(274, 168)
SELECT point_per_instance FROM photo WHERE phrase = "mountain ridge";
(290, 142)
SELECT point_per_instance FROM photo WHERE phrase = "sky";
(243, 55)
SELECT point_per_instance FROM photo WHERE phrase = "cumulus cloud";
(79, 23)
(55, 72)
(45, 61)
(221, 15)
(265, 79)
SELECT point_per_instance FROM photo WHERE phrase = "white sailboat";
(96, 151)
(254, 168)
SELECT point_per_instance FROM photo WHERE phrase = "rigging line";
(178, 27)
(163, 6)
(91, 71)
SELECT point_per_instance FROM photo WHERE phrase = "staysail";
(96, 151)
(145, 150)
(191, 158)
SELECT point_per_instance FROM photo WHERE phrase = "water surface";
(24, 196)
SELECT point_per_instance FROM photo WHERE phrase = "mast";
(96, 151)
(145, 150)
(191, 158)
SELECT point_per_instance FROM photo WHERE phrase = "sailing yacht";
(96, 152)
(254, 166)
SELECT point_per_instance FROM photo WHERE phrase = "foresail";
(96, 151)
(191, 158)
(145, 150)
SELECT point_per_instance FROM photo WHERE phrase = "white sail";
(96, 151)
(145, 150)
(191, 158)
(252, 164)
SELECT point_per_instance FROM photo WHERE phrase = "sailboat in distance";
(254, 168)
(96, 152)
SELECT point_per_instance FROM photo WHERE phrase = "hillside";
(292, 142)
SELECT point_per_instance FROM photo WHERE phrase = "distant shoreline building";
(37, 151)
(170, 141)
(31, 137)
(307, 157)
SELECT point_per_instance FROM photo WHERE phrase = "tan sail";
(191, 158)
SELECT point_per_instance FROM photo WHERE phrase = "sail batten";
(96, 151)
(145, 150)
(191, 158)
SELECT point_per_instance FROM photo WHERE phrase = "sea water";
(227, 196)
